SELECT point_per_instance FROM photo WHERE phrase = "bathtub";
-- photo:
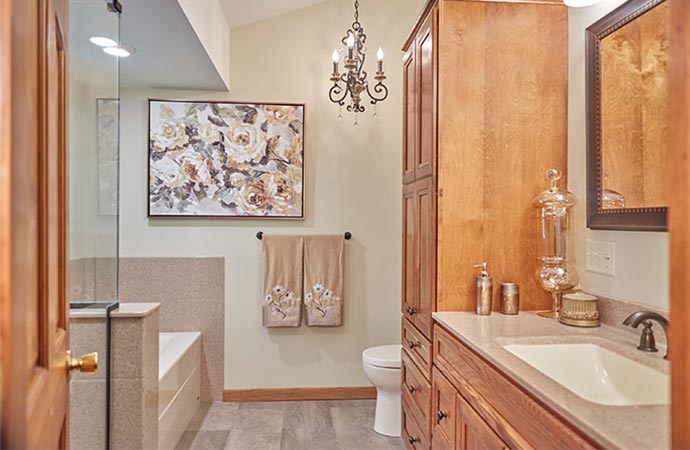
(179, 384)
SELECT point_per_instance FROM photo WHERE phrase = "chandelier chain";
(356, 10)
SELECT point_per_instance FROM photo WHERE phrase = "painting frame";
(300, 107)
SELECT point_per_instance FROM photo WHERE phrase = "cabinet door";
(425, 159)
(471, 432)
(443, 395)
(410, 116)
(409, 237)
(425, 205)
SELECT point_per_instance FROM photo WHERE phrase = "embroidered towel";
(283, 277)
(323, 281)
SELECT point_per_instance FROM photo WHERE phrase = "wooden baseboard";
(303, 393)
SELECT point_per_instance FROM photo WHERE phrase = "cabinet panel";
(412, 433)
(417, 346)
(410, 115)
(425, 205)
(472, 432)
(425, 47)
(409, 278)
(416, 390)
(443, 406)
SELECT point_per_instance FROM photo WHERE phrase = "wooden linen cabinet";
(484, 117)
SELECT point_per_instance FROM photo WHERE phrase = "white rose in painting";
(209, 133)
(281, 192)
(195, 168)
(170, 136)
(245, 143)
(168, 170)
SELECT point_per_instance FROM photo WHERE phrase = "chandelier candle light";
(354, 81)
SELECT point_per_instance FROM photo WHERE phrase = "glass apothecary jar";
(556, 262)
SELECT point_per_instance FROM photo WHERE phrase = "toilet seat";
(384, 356)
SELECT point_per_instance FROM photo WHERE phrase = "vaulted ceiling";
(245, 12)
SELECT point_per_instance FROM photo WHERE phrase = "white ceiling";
(243, 12)
(169, 54)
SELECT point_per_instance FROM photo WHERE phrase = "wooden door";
(679, 220)
(410, 115)
(425, 158)
(471, 432)
(409, 278)
(33, 223)
(425, 210)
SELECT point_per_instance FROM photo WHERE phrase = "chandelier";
(349, 87)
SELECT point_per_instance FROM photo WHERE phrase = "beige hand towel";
(283, 277)
(323, 281)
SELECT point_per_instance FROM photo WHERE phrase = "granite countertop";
(626, 427)
(123, 311)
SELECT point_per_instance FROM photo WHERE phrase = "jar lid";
(580, 296)
(554, 197)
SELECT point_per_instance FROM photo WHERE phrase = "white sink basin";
(596, 374)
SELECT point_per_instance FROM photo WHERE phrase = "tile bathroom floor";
(304, 425)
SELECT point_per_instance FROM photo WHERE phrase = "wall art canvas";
(107, 110)
(215, 159)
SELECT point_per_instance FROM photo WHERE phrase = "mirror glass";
(634, 112)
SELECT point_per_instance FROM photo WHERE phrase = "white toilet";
(382, 367)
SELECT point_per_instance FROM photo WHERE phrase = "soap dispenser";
(484, 291)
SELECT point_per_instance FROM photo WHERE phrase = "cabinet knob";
(440, 415)
(412, 345)
(412, 440)
(411, 389)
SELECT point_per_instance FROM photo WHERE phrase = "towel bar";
(260, 235)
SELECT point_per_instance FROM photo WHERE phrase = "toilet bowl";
(382, 368)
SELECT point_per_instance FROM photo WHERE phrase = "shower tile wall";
(191, 292)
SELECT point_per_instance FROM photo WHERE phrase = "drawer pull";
(412, 440)
(440, 415)
(411, 311)
(412, 345)
(412, 389)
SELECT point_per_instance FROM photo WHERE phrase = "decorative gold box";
(580, 310)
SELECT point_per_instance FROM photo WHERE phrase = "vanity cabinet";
(474, 405)
(484, 117)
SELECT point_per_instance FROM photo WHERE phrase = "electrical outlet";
(601, 257)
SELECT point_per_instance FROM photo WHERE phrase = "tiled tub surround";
(611, 426)
(134, 378)
(192, 297)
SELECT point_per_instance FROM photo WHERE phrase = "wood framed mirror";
(627, 118)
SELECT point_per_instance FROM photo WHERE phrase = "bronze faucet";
(647, 342)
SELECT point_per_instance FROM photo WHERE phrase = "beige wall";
(209, 24)
(642, 272)
(353, 180)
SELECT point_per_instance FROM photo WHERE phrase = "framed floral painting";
(222, 159)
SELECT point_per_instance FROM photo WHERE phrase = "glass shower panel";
(93, 117)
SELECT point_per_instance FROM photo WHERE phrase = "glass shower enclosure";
(93, 160)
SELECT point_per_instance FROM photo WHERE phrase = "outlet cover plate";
(601, 257)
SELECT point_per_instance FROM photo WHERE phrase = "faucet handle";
(647, 341)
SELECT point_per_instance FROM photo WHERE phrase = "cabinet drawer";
(417, 346)
(443, 405)
(502, 404)
(416, 390)
(412, 433)
(440, 441)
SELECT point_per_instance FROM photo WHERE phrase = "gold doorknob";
(87, 363)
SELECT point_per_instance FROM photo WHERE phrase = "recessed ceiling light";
(580, 3)
(103, 41)
(122, 51)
